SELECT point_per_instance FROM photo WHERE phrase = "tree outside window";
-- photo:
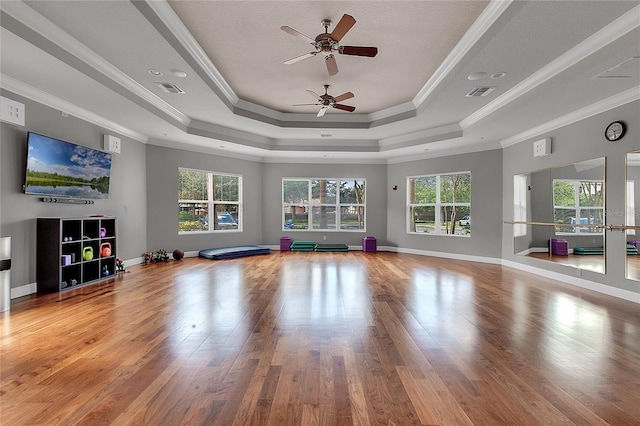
(323, 204)
(579, 203)
(439, 204)
(208, 201)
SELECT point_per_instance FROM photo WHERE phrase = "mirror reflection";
(566, 205)
(632, 200)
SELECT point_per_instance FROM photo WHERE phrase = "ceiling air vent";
(170, 88)
(480, 91)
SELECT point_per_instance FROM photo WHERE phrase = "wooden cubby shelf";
(74, 252)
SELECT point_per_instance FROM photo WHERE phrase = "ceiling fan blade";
(322, 111)
(358, 51)
(314, 94)
(345, 24)
(332, 65)
(298, 34)
(345, 107)
(343, 97)
(304, 104)
(300, 58)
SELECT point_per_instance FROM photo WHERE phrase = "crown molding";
(485, 21)
(616, 29)
(165, 13)
(25, 15)
(12, 85)
(607, 104)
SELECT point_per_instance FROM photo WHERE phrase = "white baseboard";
(578, 282)
(575, 281)
(470, 258)
(24, 290)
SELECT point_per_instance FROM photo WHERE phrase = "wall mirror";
(632, 197)
(564, 207)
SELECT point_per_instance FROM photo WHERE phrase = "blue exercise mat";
(232, 252)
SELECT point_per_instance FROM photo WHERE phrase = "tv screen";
(57, 168)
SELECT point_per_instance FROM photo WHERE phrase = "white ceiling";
(90, 59)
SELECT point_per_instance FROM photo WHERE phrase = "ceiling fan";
(328, 43)
(327, 101)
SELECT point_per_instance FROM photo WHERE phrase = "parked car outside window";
(225, 221)
(465, 221)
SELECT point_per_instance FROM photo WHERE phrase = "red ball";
(178, 254)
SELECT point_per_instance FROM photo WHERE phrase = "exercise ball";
(178, 254)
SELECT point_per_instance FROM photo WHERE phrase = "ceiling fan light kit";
(328, 44)
(327, 101)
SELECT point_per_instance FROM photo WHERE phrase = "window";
(631, 207)
(519, 205)
(578, 203)
(439, 204)
(323, 203)
(202, 193)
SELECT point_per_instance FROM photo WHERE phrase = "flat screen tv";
(57, 168)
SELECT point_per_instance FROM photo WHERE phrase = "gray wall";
(162, 200)
(144, 193)
(486, 199)
(19, 211)
(583, 140)
(376, 199)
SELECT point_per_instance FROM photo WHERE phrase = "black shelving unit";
(74, 252)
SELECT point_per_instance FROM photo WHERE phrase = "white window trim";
(578, 209)
(211, 203)
(437, 205)
(310, 205)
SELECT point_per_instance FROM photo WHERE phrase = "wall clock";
(615, 131)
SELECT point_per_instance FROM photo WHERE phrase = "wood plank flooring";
(321, 339)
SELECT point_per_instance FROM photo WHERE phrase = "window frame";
(437, 205)
(212, 203)
(310, 206)
(577, 229)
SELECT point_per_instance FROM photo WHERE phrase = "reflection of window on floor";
(439, 204)
(323, 203)
(579, 203)
(201, 193)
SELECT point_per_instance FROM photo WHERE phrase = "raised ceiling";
(92, 59)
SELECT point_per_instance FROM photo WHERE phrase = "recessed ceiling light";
(477, 75)
(498, 75)
(178, 73)
(154, 72)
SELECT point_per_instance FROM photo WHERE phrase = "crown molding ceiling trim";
(227, 134)
(423, 136)
(45, 28)
(443, 153)
(19, 88)
(243, 108)
(326, 159)
(204, 148)
(607, 35)
(165, 13)
(485, 21)
(623, 98)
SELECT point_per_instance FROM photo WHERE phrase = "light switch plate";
(542, 147)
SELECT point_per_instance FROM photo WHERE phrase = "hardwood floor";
(321, 338)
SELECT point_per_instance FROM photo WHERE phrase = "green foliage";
(192, 185)
(295, 191)
(32, 175)
(191, 225)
